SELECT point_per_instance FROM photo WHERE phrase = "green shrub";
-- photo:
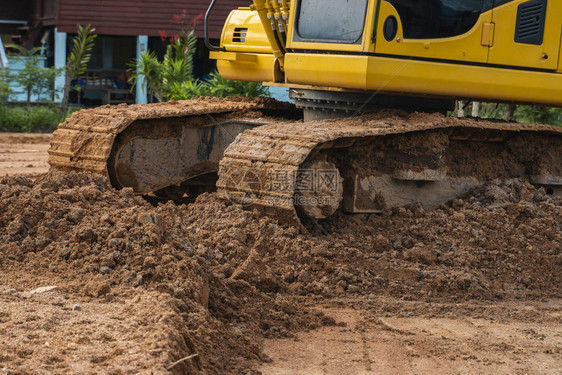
(522, 113)
(222, 87)
(175, 68)
(216, 86)
(5, 89)
(172, 78)
(550, 116)
(32, 119)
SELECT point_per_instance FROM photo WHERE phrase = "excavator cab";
(507, 33)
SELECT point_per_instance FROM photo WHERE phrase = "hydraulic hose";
(263, 7)
(280, 26)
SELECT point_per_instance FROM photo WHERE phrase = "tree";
(35, 79)
(32, 73)
(78, 60)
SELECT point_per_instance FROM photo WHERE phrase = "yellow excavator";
(371, 81)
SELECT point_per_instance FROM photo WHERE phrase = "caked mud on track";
(155, 146)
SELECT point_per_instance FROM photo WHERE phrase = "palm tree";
(162, 76)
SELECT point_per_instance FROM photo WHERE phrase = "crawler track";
(379, 161)
(255, 167)
(93, 139)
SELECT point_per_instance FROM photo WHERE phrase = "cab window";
(331, 20)
(432, 19)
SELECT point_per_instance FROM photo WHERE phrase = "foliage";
(77, 62)
(522, 113)
(28, 119)
(219, 87)
(175, 68)
(551, 116)
(33, 78)
(222, 87)
(5, 89)
(172, 78)
(46, 83)
(81, 51)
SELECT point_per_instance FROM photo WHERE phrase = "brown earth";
(471, 287)
(23, 153)
(388, 336)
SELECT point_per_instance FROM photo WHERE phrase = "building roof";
(143, 17)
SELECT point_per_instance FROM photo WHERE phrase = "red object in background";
(143, 17)
(197, 19)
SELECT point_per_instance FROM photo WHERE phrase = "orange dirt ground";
(23, 153)
(472, 287)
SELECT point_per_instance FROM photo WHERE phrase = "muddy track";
(84, 142)
(250, 170)
(159, 146)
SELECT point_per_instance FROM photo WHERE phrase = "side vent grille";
(531, 18)
(239, 35)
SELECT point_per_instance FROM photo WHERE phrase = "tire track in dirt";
(426, 342)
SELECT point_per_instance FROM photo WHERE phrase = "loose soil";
(471, 287)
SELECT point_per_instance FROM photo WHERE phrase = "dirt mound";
(102, 242)
(230, 276)
(502, 240)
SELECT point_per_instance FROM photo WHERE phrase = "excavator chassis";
(303, 171)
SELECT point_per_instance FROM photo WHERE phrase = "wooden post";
(460, 108)
(475, 109)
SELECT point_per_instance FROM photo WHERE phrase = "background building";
(125, 28)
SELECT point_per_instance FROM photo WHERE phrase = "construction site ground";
(95, 280)
(23, 153)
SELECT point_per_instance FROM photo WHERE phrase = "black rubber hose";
(276, 36)
(284, 38)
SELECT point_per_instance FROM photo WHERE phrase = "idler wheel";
(319, 189)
